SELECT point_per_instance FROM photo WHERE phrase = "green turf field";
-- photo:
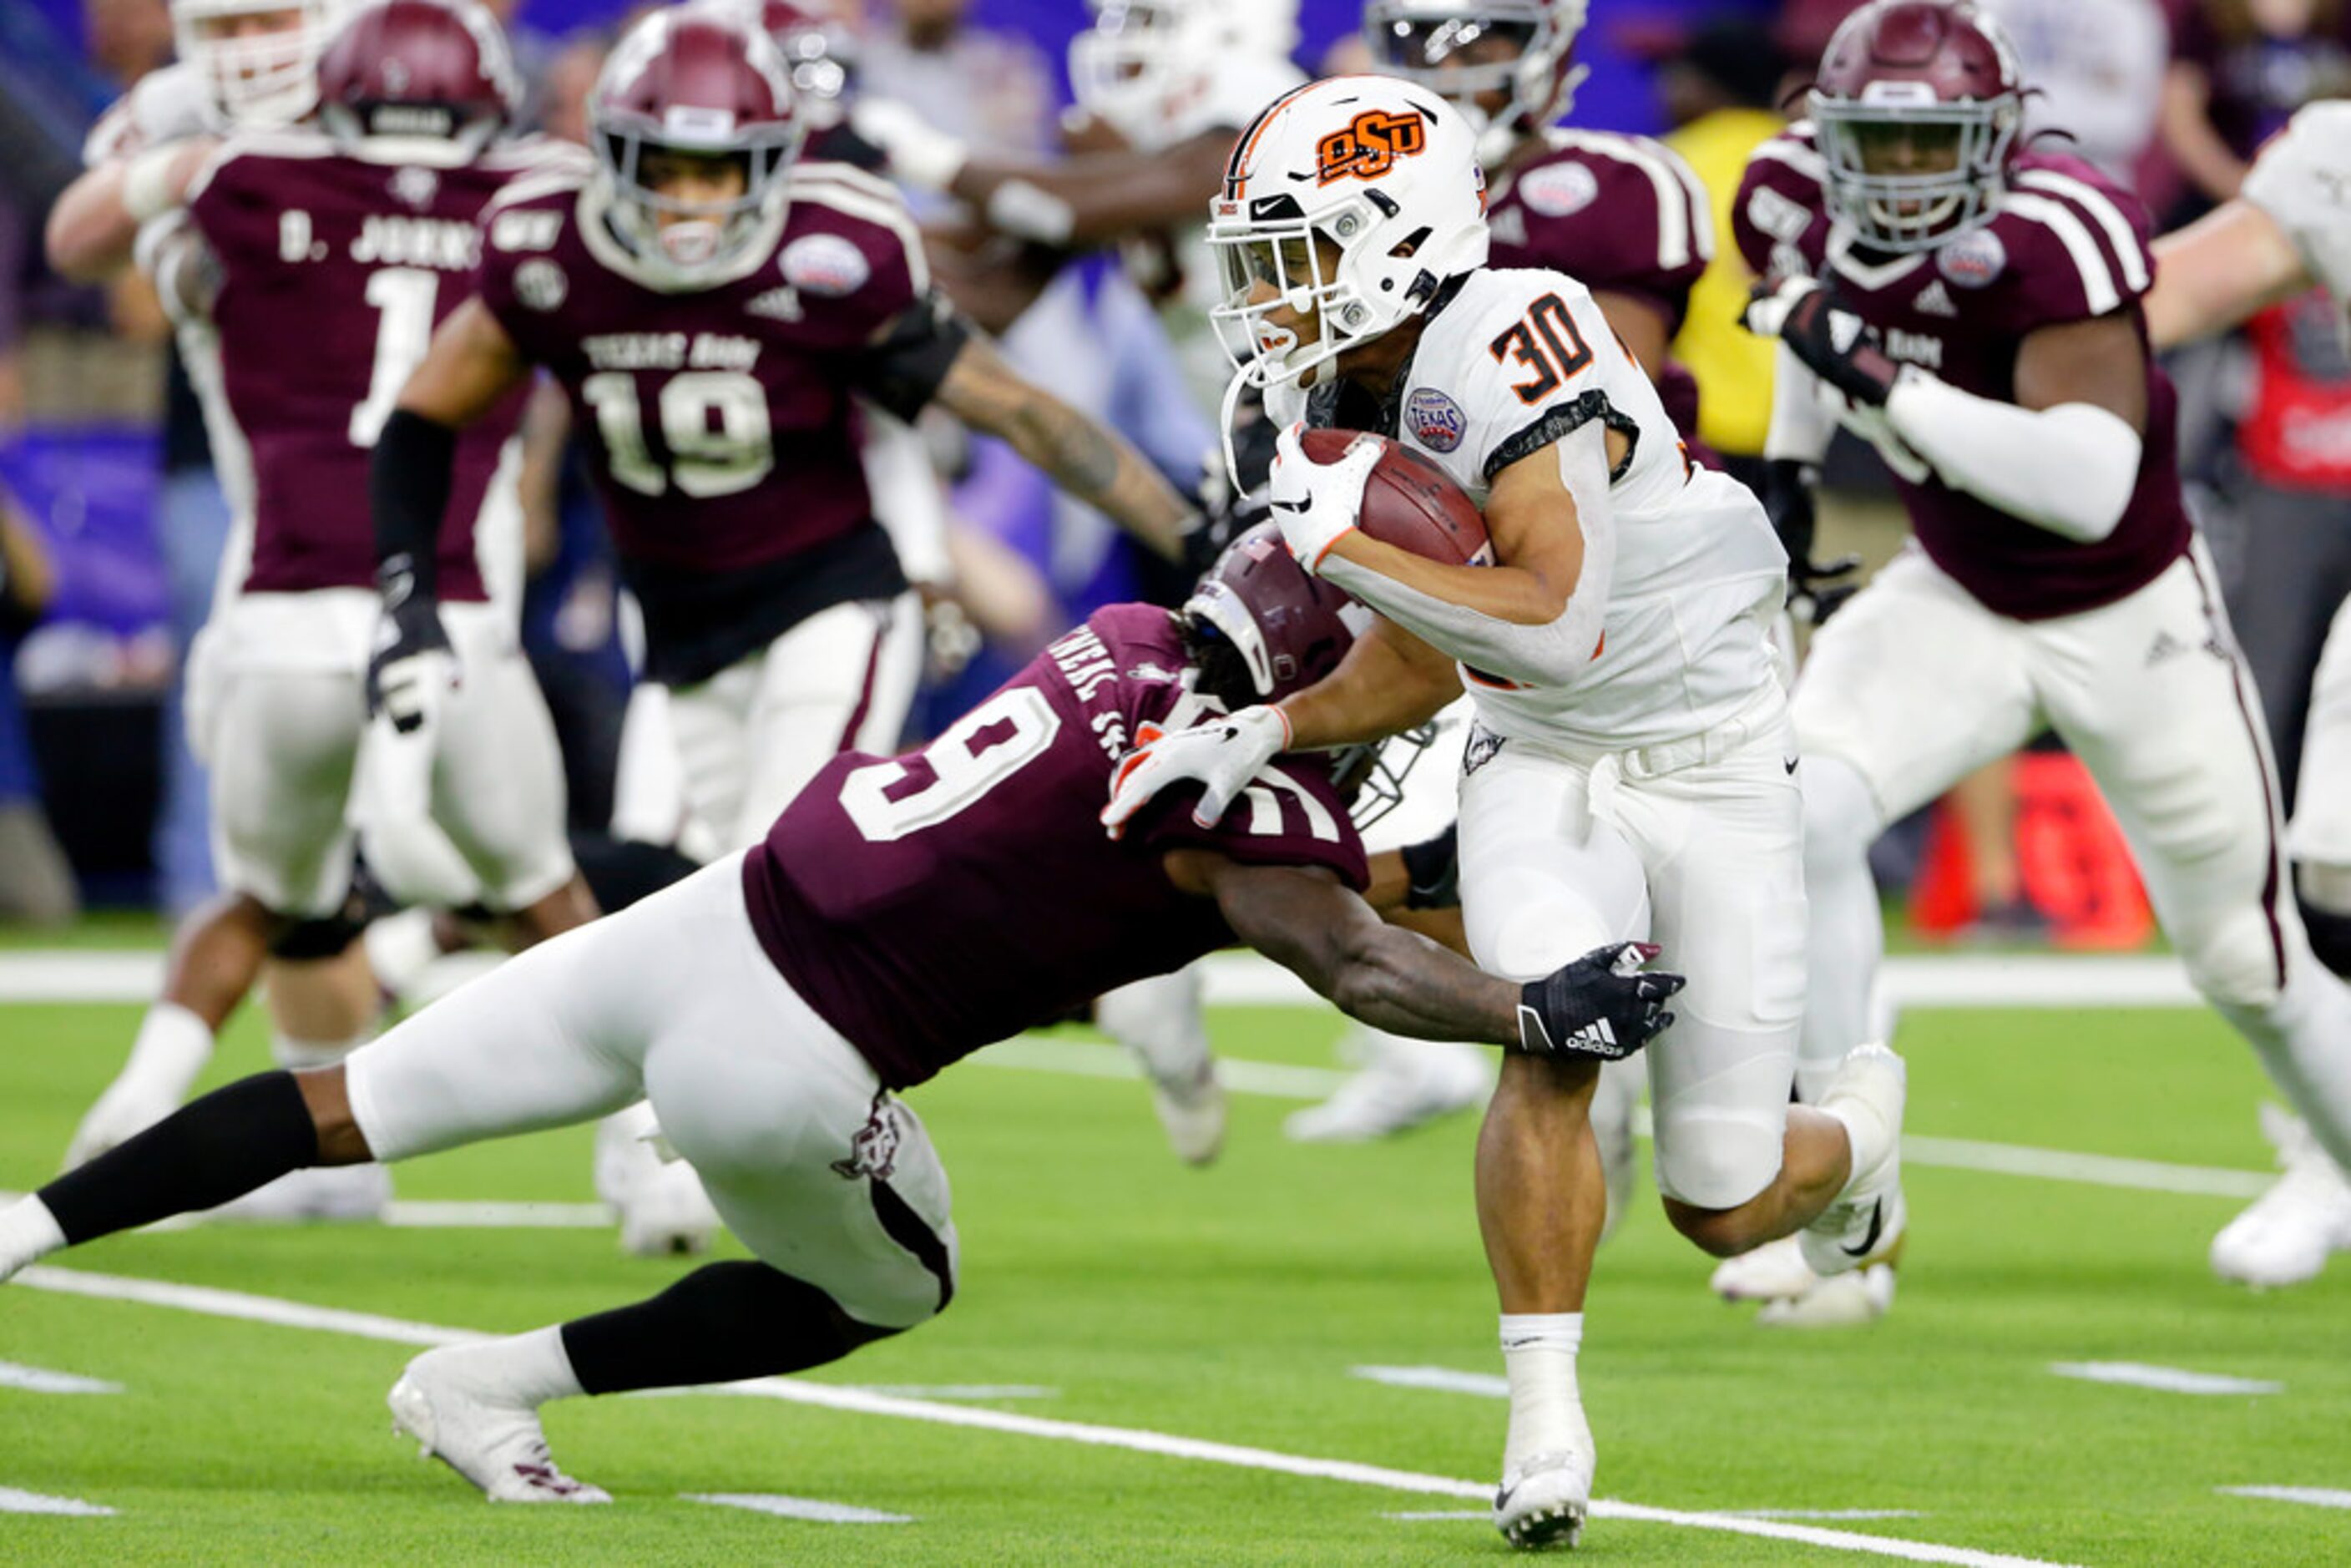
(1105, 1287)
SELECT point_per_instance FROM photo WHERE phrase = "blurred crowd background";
(112, 523)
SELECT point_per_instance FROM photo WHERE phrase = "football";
(1409, 502)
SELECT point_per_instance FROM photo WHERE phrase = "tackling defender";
(891, 922)
(1631, 766)
(1972, 308)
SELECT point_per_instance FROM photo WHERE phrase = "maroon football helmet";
(1262, 627)
(1918, 104)
(419, 70)
(705, 80)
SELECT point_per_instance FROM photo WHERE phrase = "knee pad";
(1713, 1161)
(2233, 962)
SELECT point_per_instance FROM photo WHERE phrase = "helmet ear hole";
(1410, 245)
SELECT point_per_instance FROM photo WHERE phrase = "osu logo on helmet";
(1369, 146)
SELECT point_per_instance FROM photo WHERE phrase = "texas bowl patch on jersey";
(1558, 189)
(1435, 420)
(1973, 260)
(540, 284)
(825, 265)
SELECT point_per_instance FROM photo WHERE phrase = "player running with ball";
(1631, 773)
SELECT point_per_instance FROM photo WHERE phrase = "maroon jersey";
(942, 900)
(2066, 245)
(720, 420)
(1620, 214)
(333, 271)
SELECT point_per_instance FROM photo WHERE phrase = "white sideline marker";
(366, 1325)
(41, 1380)
(798, 1508)
(12, 1500)
(2317, 1496)
(1492, 1386)
(2163, 1379)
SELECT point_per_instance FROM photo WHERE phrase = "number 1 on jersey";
(403, 296)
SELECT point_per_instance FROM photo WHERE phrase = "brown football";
(1409, 502)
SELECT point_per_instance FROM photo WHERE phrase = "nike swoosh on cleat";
(1869, 1242)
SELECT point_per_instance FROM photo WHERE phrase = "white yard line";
(41, 1380)
(2317, 1496)
(1444, 1379)
(12, 1500)
(494, 1216)
(798, 1508)
(2163, 1379)
(367, 1325)
(1929, 980)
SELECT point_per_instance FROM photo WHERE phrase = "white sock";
(533, 1366)
(303, 1055)
(1546, 1410)
(28, 1232)
(400, 948)
(171, 1050)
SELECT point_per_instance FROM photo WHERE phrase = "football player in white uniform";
(1631, 772)
(2289, 230)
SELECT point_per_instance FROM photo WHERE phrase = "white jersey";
(1517, 360)
(2302, 181)
(165, 105)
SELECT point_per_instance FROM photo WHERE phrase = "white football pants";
(1916, 685)
(821, 1173)
(1695, 845)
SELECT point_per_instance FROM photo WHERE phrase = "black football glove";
(1432, 870)
(1604, 1006)
(1838, 346)
(412, 663)
(1815, 587)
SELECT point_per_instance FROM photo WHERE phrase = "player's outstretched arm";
(1090, 200)
(2234, 260)
(93, 228)
(470, 366)
(1083, 457)
(1603, 1006)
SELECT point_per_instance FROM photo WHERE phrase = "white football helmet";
(1144, 66)
(1346, 205)
(1466, 48)
(256, 75)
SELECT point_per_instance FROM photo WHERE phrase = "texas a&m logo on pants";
(1369, 146)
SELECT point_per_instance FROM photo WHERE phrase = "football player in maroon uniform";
(894, 920)
(307, 267)
(1972, 306)
(712, 302)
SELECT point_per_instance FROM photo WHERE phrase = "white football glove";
(1316, 504)
(919, 153)
(1224, 755)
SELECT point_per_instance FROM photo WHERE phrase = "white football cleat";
(1402, 1083)
(1160, 1023)
(1864, 1224)
(1794, 1297)
(1543, 1499)
(484, 1432)
(1775, 1271)
(342, 1193)
(2287, 1234)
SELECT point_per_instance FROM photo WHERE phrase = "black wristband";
(1432, 870)
(409, 481)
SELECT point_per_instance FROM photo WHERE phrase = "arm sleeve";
(903, 368)
(408, 492)
(1802, 423)
(2302, 181)
(2069, 469)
